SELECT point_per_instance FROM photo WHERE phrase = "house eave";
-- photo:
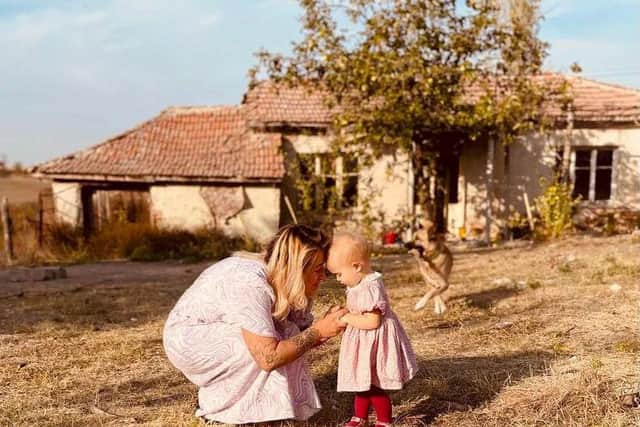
(276, 125)
(602, 123)
(153, 179)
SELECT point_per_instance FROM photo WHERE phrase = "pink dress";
(203, 339)
(381, 357)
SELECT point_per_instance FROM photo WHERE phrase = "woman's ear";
(357, 266)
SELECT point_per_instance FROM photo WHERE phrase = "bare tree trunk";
(424, 163)
(489, 178)
(566, 150)
(507, 191)
(40, 220)
(421, 183)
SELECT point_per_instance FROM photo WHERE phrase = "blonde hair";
(359, 247)
(288, 256)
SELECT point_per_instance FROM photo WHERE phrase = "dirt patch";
(21, 189)
(534, 336)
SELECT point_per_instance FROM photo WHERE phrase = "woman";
(240, 330)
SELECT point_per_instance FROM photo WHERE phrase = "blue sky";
(73, 73)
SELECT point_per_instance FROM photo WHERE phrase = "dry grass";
(534, 337)
(117, 240)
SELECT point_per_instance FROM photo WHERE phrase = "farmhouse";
(231, 167)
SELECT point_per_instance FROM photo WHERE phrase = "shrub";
(157, 244)
(555, 207)
(118, 239)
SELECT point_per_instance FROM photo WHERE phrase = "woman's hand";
(270, 353)
(330, 326)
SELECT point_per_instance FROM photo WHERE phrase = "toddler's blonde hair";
(359, 247)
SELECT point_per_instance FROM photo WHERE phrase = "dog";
(435, 262)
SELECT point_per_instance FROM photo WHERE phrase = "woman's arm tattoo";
(306, 340)
(268, 356)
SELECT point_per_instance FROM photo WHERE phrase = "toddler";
(375, 353)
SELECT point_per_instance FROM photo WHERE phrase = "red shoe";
(381, 424)
(355, 422)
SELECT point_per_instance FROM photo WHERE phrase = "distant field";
(21, 189)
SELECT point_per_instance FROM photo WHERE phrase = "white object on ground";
(615, 288)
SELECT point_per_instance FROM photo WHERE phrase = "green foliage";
(317, 202)
(323, 200)
(157, 245)
(555, 207)
(418, 76)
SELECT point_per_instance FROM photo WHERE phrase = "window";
(453, 172)
(592, 173)
(349, 181)
(335, 179)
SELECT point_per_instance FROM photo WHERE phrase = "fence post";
(40, 219)
(6, 225)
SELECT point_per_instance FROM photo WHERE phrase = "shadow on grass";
(89, 309)
(136, 398)
(441, 386)
(485, 299)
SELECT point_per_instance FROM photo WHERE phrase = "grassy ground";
(533, 337)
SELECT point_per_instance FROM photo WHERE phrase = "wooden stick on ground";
(528, 207)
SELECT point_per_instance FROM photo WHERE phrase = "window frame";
(337, 174)
(593, 168)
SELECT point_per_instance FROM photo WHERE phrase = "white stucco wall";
(260, 220)
(182, 206)
(386, 184)
(531, 159)
(179, 206)
(535, 156)
(309, 144)
(67, 202)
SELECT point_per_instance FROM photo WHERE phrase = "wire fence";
(26, 226)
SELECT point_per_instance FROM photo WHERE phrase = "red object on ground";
(389, 238)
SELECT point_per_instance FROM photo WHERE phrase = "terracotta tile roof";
(269, 104)
(183, 143)
(594, 102)
(603, 102)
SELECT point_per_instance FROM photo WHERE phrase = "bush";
(147, 243)
(555, 207)
(178, 244)
(118, 240)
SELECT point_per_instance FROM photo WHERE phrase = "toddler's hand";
(341, 321)
(329, 326)
(331, 309)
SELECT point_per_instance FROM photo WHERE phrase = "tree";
(421, 76)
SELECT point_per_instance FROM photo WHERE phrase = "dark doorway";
(103, 205)
(446, 190)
